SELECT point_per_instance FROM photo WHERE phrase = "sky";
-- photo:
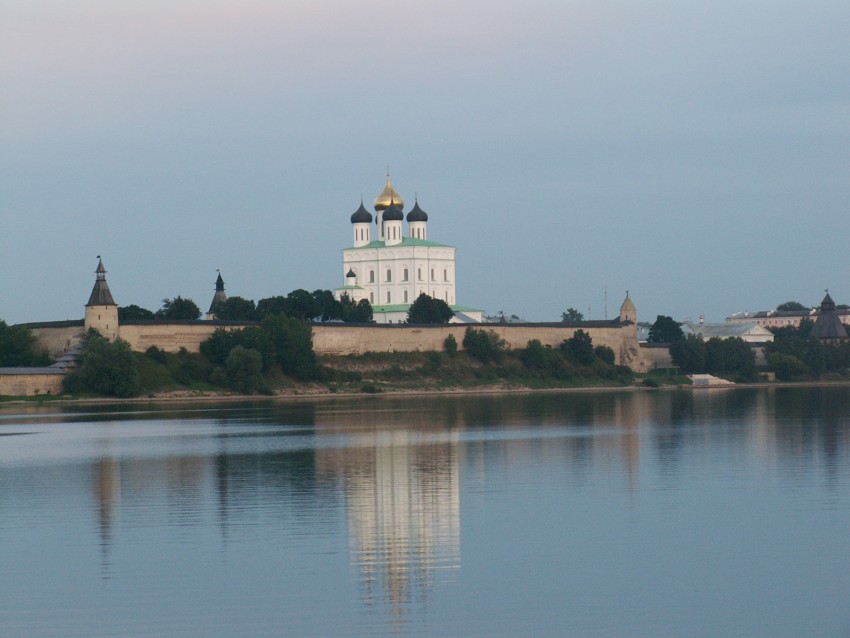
(696, 154)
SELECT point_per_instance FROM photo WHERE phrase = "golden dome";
(388, 196)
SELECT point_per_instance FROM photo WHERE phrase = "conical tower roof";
(219, 297)
(100, 294)
(828, 325)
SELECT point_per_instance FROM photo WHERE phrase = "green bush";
(450, 345)
(605, 354)
(787, 366)
(484, 345)
(156, 354)
(109, 368)
(579, 348)
(245, 370)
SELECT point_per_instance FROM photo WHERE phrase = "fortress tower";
(218, 298)
(628, 312)
(101, 309)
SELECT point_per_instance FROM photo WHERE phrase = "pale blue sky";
(694, 153)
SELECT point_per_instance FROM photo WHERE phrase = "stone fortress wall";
(28, 382)
(328, 339)
(344, 339)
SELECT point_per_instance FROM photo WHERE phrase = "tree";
(579, 348)
(688, 354)
(605, 354)
(450, 345)
(236, 309)
(787, 366)
(18, 347)
(222, 342)
(301, 305)
(134, 313)
(178, 309)
(355, 312)
(271, 306)
(291, 341)
(810, 351)
(328, 308)
(791, 306)
(534, 356)
(730, 356)
(429, 310)
(219, 344)
(244, 370)
(571, 316)
(484, 345)
(108, 368)
(665, 330)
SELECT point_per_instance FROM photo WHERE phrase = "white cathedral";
(393, 269)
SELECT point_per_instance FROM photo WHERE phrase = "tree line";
(794, 354)
(319, 305)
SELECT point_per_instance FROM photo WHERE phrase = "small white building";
(391, 269)
(752, 333)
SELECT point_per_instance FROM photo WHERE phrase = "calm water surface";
(713, 513)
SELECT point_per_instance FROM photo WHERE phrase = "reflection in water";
(403, 501)
(386, 481)
(107, 487)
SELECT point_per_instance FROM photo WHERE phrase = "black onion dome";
(361, 216)
(393, 214)
(416, 214)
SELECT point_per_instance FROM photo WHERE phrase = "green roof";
(405, 241)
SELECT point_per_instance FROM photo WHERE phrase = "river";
(666, 513)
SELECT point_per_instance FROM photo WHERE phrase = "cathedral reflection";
(402, 492)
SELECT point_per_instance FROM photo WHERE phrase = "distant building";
(784, 318)
(752, 333)
(392, 269)
(828, 326)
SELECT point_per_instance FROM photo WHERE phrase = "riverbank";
(312, 394)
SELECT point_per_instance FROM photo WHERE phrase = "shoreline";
(183, 396)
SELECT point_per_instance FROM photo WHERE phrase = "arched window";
(405, 296)
(404, 275)
(433, 276)
(419, 274)
(445, 275)
(371, 297)
(388, 296)
(389, 275)
(371, 276)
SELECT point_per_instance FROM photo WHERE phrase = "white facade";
(394, 269)
(399, 273)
